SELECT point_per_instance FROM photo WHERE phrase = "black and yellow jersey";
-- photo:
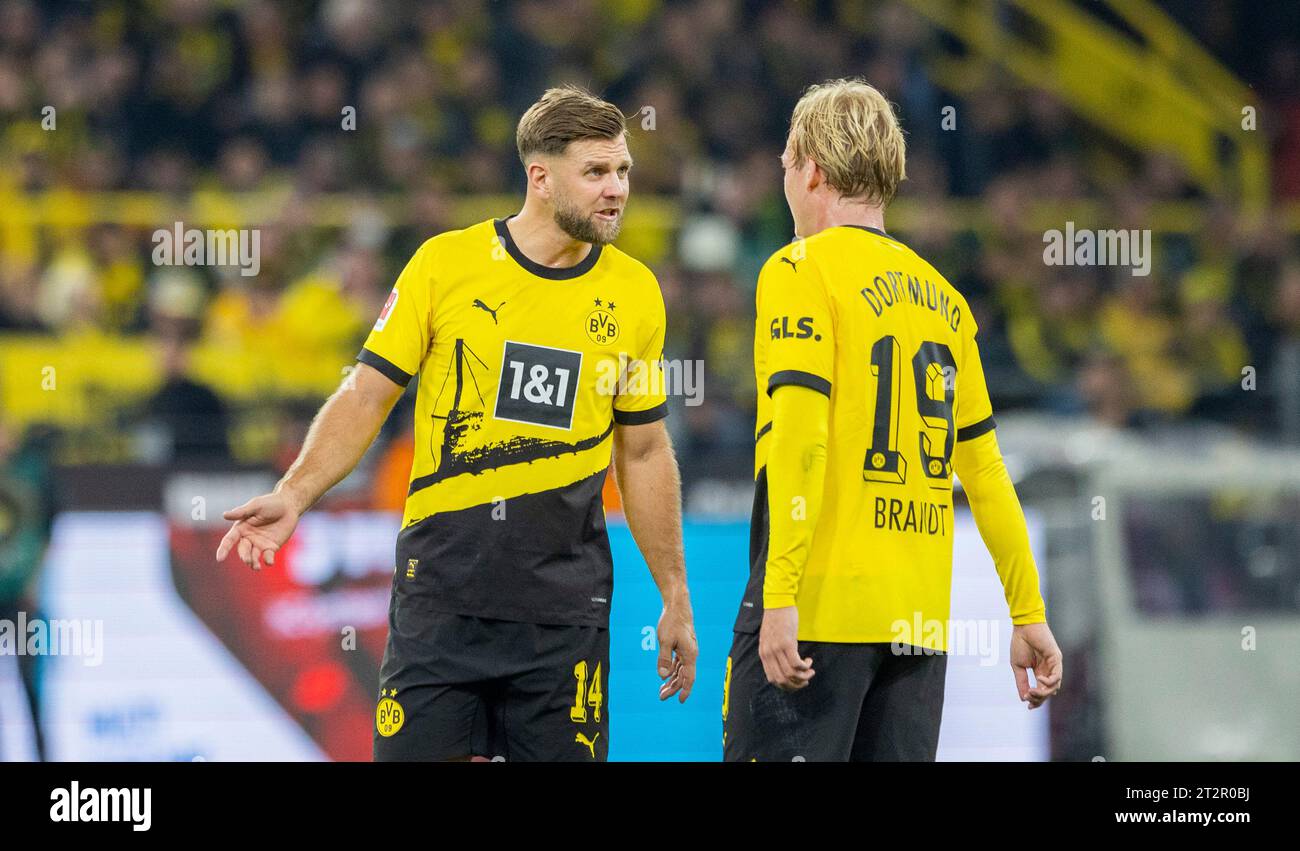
(856, 315)
(524, 370)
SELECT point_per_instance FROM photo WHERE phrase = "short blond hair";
(563, 115)
(849, 129)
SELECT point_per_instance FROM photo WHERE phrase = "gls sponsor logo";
(94, 804)
(803, 329)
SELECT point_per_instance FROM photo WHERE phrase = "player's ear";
(539, 178)
(815, 176)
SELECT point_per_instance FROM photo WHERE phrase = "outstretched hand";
(262, 526)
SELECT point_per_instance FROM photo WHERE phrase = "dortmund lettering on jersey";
(857, 315)
(516, 403)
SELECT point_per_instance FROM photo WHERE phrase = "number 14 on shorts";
(587, 696)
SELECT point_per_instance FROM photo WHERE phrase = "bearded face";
(589, 189)
(598, 227)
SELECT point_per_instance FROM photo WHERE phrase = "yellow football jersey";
(524, 370)
(857, 315)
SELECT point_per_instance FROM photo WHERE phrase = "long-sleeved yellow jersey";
(858, 534)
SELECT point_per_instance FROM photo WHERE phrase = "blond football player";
(870, 397)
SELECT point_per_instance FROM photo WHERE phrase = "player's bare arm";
(646, 470)
(339, 435)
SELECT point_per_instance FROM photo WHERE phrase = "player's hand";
(262, 525)
(778, 648)
(1033, 646)
(677, 650)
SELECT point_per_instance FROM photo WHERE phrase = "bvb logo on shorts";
(389, 715)
(602, 327)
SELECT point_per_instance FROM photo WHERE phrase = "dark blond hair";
(849, 129)
(563, 115)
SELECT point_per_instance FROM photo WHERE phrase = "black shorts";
(864, 704)
(455, 686)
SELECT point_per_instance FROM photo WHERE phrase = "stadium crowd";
(196, 99)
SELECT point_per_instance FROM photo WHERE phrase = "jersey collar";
(561, 274)
(876, 231)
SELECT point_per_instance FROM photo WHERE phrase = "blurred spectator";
(1285, 368)
(185, 421)
(1107, 391)
(28, 505)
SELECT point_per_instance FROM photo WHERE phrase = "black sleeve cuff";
(798, 376)
(974, 430)
(390, 370)
(650, 415)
